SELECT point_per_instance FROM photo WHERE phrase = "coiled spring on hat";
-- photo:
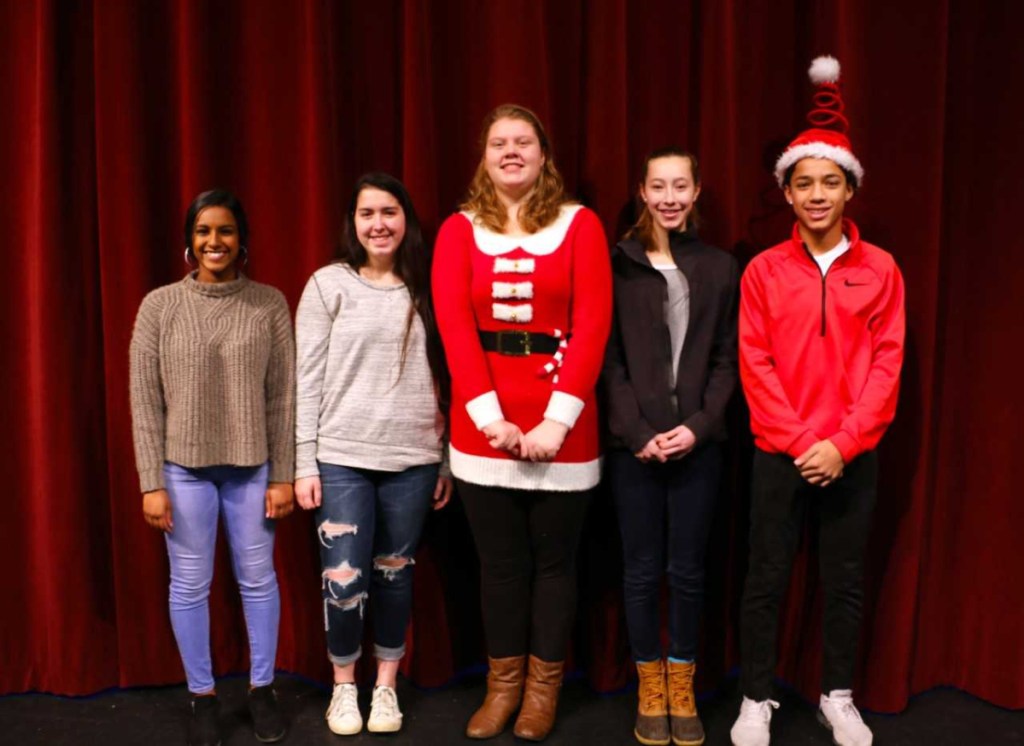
(828, 109)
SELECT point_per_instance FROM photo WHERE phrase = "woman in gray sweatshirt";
(369, 433)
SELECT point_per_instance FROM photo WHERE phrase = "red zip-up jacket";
(820, 355)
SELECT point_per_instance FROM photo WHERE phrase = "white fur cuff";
(484, 410)
(564, 408)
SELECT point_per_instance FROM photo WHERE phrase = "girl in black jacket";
(669, 372)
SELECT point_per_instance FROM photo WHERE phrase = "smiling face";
(670, 191)
(513, 157)
(380, 225)
(818, 190)
(216, 244)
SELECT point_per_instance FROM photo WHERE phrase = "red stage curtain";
(117, 113)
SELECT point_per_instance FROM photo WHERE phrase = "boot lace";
(681, 690)
(652, 690)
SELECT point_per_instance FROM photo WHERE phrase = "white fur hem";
(564, 408)
(843, 157)
(525, 475)
(484, 410)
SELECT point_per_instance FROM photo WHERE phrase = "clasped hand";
(542, 443)
(821, 464)
(670, 445)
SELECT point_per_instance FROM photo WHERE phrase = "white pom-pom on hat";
(824, 70)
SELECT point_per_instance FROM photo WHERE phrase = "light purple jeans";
(198, 497)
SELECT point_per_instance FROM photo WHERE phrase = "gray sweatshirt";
(353, 407)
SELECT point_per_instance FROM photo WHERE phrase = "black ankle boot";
(267, 721)
(204, 723)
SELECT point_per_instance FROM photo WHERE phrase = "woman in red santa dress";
(522, 290)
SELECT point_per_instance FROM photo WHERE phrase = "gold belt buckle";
(522, 337)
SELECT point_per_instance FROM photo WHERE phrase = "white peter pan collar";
(541, 243)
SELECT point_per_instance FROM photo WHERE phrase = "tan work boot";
(540, 699)
(652, 707)
(504, 693)
(687, 729)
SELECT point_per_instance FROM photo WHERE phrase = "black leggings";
(527, 543)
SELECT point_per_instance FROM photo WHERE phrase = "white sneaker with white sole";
(385, 717)
(752, 727)
(343, 715)
(840, 715)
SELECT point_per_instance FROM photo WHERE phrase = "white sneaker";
(840, 716)
(385, 717)
(343, 715)
(752, 726)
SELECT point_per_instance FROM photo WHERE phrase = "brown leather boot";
(540, 699)
(652, 709)
(504, 693)
(687, 729)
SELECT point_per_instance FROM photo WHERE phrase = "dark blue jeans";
(664, 514)
(369, 526)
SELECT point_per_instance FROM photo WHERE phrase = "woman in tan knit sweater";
(213, 402)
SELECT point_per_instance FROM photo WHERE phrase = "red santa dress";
(557, 282)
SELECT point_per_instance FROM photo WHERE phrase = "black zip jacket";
(637, 375)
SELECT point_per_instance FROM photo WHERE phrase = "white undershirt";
(825, 260)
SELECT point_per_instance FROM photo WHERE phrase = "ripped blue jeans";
(369, 525)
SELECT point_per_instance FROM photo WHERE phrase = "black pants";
(527, 543)
(779, 499)
(664, 513)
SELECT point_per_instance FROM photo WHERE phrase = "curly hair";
(545, 201)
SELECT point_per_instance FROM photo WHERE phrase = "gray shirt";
(357, 405)
(677, 311)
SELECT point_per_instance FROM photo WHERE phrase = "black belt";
(516, 342)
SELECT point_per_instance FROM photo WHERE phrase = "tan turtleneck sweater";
(213, 379)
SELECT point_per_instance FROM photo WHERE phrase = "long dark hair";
(643, 229)
(412, 266)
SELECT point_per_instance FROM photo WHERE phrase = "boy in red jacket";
(821, 345)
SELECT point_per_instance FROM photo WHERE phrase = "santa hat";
(826, 137)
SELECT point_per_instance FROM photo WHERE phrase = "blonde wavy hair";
(545, 202)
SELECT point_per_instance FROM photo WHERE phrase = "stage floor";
(155, 717)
